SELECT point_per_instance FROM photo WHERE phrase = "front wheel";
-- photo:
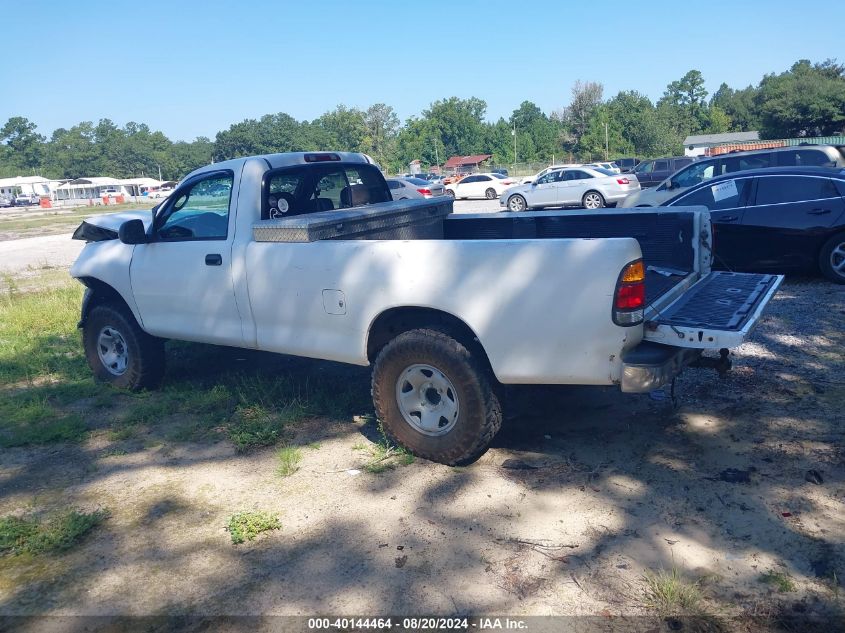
(592, 200)
(435, 398)
(832, 259)
(119, 352)
(490, 194)
(517, 203)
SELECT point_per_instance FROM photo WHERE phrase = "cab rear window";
(321, 187)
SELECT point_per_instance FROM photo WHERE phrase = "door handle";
(213, 260)
(819, 211)
(728, 218)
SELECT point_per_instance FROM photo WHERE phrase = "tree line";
(806, 100)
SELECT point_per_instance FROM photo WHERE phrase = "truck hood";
(104, 227)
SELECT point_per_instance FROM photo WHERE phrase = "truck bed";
(665, 237)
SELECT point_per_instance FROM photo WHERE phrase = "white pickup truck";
(306, 254)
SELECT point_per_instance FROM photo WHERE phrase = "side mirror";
(132, 232)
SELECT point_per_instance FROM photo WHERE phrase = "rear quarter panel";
(540, 308)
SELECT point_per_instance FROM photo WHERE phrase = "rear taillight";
(629, 298)
(623, 181)
(425, 192)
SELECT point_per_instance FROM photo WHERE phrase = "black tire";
(478, 417)
(450, 193)
(517, 203)
(490, 194)
(832, 255)
(143, 365)
(592, 196)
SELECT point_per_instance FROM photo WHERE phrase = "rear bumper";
(649, 366)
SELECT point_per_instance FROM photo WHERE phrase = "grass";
(670, 594)
(57, 533)
(385, 456)
(778, 580)
(245, 526)
(288, 458)
(47, 393)
(61, 218)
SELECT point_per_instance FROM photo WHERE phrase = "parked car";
(611, 167)
(161, 192)
(502, 171)
(707, 168)
(529, 179)
(780, 219)
(654, 171)
(410, 188)
(589, 187)
(6, 200)
(627, 164)
(112, 192)
(488, 185)
(26, 199)
(433, 312)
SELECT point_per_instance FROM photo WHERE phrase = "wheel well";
(101, 293)
(389, 324)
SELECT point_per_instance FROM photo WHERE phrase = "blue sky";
(192, 68)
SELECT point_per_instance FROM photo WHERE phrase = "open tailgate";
(719, 311)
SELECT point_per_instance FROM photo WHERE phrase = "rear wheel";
(435, 398)
(490, 194)
(832, 259)
(517, 203)
(592, 200)
(119, 352)
(450, 193)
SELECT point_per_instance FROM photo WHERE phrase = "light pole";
(513, 133)
(606, 145)
(436, 155)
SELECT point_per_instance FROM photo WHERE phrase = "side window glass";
(545, 179)
(661, 165)
(726, 194)
(483, 178)
(582, 175)
(469, 179)
(394, 184)
(644, 168)
(774, 190)
(694, 174)
(569, 175)
(200, 211)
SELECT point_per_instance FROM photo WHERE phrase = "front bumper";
(649, 366)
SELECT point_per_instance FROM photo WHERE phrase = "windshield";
(499, 176)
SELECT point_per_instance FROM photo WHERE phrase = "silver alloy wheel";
(516, 203)
(427, 400)
(490, 194)
(112, 350)
(592, 201)
(837, 259)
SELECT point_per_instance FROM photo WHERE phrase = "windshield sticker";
(724, 190)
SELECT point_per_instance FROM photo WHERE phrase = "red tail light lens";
(425, 192)
(629, 298)
(623, 181)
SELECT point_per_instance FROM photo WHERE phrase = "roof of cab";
(286, 159)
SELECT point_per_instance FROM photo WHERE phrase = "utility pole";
(606, 144)
(159, 173)
(513, 133)
(436, 156)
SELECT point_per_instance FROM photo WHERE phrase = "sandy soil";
(584, 491)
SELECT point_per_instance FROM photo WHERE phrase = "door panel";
(182, 279)
(784, 234)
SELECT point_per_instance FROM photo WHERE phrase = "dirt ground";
(585, 492)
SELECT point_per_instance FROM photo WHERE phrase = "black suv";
(654, 171)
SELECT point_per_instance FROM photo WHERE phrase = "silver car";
(589, 187)
(409, 188)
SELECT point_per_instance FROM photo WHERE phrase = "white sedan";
(487, 185)
(405, 188)
(589, 187)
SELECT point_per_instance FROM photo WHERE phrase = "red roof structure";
(464, 161)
